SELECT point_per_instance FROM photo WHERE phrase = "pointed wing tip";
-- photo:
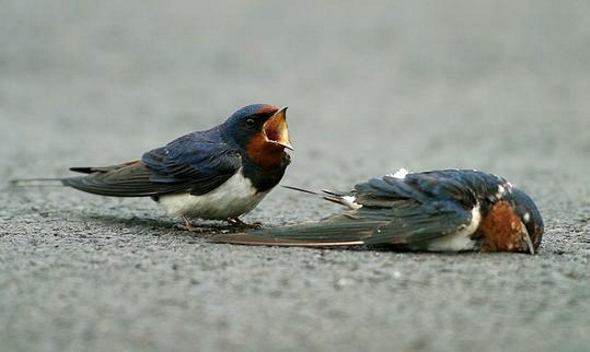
(253, 240)
(229, 238)
(81, 169)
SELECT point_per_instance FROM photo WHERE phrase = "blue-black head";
(529, 214)
(261, 124)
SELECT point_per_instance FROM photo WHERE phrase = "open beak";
(527, 240)
(276, 129)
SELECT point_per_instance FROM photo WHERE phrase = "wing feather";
(190, 163)
(408, 224)
(402, 212)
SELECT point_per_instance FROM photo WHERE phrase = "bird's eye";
(250, 122)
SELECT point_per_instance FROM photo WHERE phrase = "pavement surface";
(500, 86)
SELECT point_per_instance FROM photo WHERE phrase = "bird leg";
(187, 226)
(239, 223)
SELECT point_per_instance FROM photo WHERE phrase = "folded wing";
(407, 223)
(185, 165)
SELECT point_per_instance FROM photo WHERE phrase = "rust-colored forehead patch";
(267, 109)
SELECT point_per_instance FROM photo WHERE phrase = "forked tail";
(37, 182)
(348, 201)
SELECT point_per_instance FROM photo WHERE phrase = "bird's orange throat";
(264, 153)
(267, 147)
(501, 229)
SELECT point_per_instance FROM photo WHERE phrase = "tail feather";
(102, 169)
(348, 201)
(37, 182)
(127, 180)
(83, 170)
(132, 179)
(249, 240)
(319, 234)
(302, 190)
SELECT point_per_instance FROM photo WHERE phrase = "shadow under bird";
(445, 210)
(218, 174)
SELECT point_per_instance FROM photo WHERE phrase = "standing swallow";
(447, 210)
(219, 174)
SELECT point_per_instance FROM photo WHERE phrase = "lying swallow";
(448, 210)
(219, 174)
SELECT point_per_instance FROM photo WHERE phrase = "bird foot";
(188, 226)
(239, 223)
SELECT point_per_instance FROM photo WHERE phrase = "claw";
(187, 226)
(239, 223)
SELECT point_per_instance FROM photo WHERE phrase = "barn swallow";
(445, 210)
(218, 174)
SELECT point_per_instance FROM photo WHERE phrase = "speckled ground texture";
(500, 86)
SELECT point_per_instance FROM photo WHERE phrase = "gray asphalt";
(500, 86)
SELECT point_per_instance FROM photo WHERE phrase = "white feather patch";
(350, 201)
(460, 240)
(501, 191)
(527, 218)
(400, 174)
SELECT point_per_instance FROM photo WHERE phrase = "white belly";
(452, 243)
(235, 197)
(460, 240)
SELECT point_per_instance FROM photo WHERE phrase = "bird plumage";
(446, 210)
(218, 173)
